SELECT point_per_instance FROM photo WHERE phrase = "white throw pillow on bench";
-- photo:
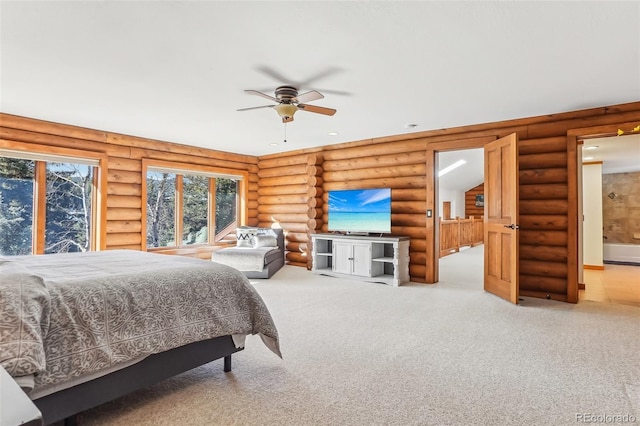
(264, 241)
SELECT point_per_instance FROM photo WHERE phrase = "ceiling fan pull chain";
(285, 132)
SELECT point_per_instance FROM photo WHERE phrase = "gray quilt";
(66, 315)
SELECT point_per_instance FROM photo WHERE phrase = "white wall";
(592, 211)
(457, 201)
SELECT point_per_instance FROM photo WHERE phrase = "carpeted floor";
(445, 354)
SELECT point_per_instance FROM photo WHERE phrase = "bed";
(80, 329)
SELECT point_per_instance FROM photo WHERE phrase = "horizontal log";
(121, 239)
(418, 257)
(169, 149)
(551, 191)
(380, 161)
(252, 221)
(301, 237)
(314, 224)
(284, 208)
(296, 246)
(252, 196)
(355, 149)
(412, 194)
(315, 213)
(119, 163)
(298, 257)
(408, 207)
(283, 199)
(283, 217)
(417, 273)
(298, 169)
(560, 127)
(546, 222)
(315, 159)
(402, 219)
(284, 181)
(283, 160)
(294, 226)
(16, 122)
(538, 146)
(253, 187)
(543, 253)
(124, 201)
(115, 188)
(315, 181)
(252, 204)
(540, 176)
(543, 268)
(315, 202)
(413, 182)
(544, 238)
(215, 159)
(301, 188)
(545, 160)
(122, 176)
(124, 214)
(409, 231)
(120, 226)
(314, 171)
(376, 173)
(535, 283)
(418, 244)
(539, 207)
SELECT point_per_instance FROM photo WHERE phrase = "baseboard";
(595, 267)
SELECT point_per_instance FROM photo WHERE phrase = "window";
(48, 203)
(187, 207)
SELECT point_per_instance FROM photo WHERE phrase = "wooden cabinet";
(373, 259)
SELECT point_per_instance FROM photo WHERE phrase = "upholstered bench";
(259, 252)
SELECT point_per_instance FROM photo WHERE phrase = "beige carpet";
(364, 354)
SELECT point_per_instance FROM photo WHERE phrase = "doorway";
(608, 226)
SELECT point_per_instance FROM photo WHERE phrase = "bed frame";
(65, 404)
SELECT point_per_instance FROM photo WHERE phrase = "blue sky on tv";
(360, 200)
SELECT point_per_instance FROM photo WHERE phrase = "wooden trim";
(100, 206)
(432, 249)
(178, 208)
(594, 267)
(39, 208)
(212, 211)
(573, 240)
(591, 163)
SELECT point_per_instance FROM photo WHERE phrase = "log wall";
(470, 208)
(124, 210)
(548, 240)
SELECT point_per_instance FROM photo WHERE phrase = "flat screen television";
(360, 210)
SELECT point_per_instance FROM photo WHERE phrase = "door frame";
(574, 181)
(432, 272)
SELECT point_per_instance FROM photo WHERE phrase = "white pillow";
(244, 236)
(264, 241)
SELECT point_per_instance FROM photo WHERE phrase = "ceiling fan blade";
(317, 109)
(264, 95)
(311, 95)
(258, 107)
(287, 119)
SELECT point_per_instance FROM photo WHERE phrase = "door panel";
(501, 218)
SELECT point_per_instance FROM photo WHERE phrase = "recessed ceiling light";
(591, 147)
(588, 158)
(451, 167)
(333, 133)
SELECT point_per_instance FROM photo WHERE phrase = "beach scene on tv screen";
(360, 210)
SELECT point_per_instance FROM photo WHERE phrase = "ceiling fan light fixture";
(285, 110)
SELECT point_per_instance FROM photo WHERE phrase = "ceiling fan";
(288, 102)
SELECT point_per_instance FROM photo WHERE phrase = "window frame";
(42, 154)
(181, 169)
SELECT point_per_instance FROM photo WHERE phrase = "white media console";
(373, 259)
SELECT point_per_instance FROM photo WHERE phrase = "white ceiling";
(176, 71)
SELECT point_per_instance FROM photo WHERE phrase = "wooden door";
(501, 218)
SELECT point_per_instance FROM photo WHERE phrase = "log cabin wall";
(124, 208)
(470, 208)
(398, 162)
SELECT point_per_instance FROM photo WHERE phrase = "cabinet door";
(342, 257)
(361, 259)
